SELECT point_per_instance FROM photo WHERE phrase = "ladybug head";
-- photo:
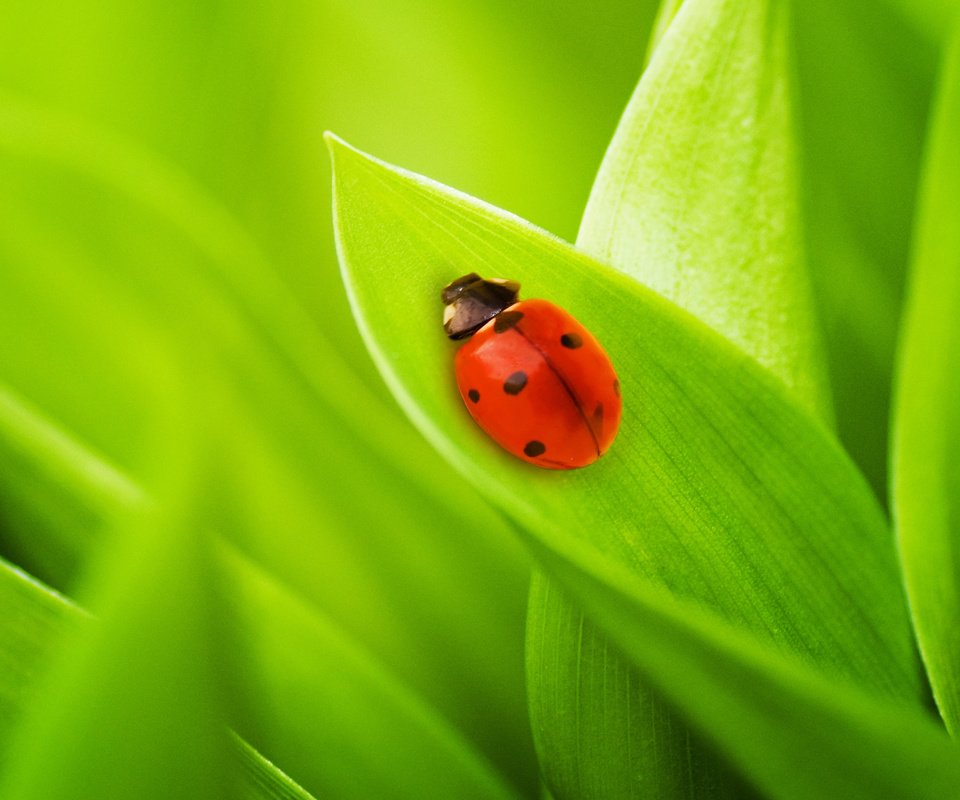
(471, 302)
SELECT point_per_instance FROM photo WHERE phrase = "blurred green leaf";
(350, 727)
(926, 454)
(314, 455)
(35, 619)
(863, 103)
(259, 779)
(697, 198)
(133, 708)
(33, 628)
(661, 24)
(717, 480)
(343, 724)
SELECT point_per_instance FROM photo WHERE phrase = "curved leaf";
(304, 682)
(794, 731)
(864, 93)
(926, 455)
(698, 195)
(35, 623)
(717, 480)
(136, 690)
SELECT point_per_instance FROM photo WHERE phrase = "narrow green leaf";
(137, 690)
(717, 480)
(303, 681)
(36, 623)
(864, 93)
(353, 730)
(665, 13)
(261, 780)
(33, 622)
(926, 455)
(697, 197)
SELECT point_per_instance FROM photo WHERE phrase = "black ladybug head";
(471, 302)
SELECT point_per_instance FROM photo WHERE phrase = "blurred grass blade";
(926, 453)
(49, 525)
(697, 197)
(864, 104)
(720, 487)
(34, 622)
(33, 629)
(134, 708)
(344, 725)
(666, 11)
(362, 734)
(259, 779)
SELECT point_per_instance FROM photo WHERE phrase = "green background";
(195, 444)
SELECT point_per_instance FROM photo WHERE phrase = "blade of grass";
(698, 195)
(357, 731)
(372, 728)
(36, 624)
(864, 93)
(926, 454)
(137, 690)
(665, 13)
(797, 732)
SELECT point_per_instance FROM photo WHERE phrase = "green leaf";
(864, 93)
(719, 488)
(697, 198)
(352, 729)
(344, 724)
(261, 780)
(33, 628)
(926, 453)
(661, 24)
(314, 454)
(137, 690)
(796, 732)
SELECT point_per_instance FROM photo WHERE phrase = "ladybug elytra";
(531, 376)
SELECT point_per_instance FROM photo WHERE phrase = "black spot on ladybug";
(616, 387)
(598, 415)
(515, 383)
(506, 320)
(571, 340)
(474, 395)
(534, 449)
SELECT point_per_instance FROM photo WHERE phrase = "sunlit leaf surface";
(718, 479)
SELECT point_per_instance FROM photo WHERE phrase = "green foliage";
(670, 198)
(926, 452)
(231, 567)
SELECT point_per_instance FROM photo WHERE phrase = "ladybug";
(530, 375)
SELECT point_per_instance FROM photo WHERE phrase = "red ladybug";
(531, 376)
